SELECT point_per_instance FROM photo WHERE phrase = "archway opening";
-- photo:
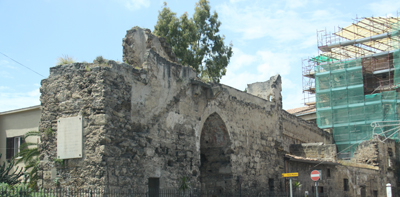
(215, 168)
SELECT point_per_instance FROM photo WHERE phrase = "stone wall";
(297, 131)
(374, 152)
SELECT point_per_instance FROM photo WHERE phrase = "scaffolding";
(355, 80)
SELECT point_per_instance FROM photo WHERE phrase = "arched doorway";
(215, 168)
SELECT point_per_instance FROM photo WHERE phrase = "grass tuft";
(65, 59)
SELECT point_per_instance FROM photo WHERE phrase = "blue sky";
(268, 37)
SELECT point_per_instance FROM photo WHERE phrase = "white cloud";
(293, 99)
(296, 3)
(11, 101)
(384, 7)
(267, 63)
(292, 95)
(235, 1)
(6, 64)
(273, 63)
(135, 4)
(240, 59)
(282, 33)
(278, 20)
(5, 74)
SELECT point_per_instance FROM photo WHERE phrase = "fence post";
(389, 190)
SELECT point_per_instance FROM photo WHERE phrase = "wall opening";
(215, 167)
(271, 184)
(346, 185)
(154, 187)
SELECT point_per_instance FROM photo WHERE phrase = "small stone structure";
(151, 118)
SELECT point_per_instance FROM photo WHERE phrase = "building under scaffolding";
(355, 80)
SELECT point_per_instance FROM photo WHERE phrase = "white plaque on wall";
(69, 137)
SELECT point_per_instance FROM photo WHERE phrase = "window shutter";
(10, 148)
(22, 142)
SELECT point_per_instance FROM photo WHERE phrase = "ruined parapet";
(317, 151)
(269, 90)
(376, 153)
(136, 43)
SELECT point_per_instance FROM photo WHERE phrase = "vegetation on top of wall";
(65, 59)
(100, 60)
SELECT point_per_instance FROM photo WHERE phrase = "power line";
(22, 64)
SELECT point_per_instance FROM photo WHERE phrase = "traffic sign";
(315, 175)
(292, 174)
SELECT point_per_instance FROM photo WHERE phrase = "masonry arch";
(215, 159)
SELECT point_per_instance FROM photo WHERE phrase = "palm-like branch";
(6, 174)
(29, 156)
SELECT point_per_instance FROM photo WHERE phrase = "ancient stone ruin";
(151, 119)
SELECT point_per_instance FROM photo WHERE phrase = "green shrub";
(7, 175)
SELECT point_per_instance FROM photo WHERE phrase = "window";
(390, 152)
(320, 189)
(329, 173)
(363, 191)
(13, 146)
(346, 184)
(375, 193)
(271, 184)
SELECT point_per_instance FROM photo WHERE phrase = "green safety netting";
(342, 105)
(322, 58)
(350, 122)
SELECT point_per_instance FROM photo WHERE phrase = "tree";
(6, 176)
(196, 41)
(29, 156)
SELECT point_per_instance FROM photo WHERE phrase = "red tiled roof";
(310, 160)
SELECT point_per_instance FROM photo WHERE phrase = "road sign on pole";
(292, 174)
(315, 175)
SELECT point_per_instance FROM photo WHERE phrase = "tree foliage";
(196, 41)
(7, 175)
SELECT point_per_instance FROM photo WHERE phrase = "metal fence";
(7, 192)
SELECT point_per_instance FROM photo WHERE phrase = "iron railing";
(8, 192)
